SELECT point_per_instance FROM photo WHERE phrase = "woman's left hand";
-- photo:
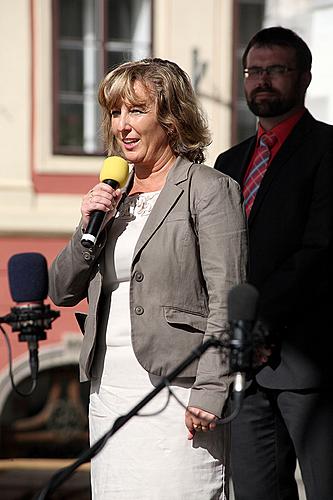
(197, 420)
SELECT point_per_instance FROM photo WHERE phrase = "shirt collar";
(283, 129)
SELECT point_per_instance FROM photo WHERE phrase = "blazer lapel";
(164, 203)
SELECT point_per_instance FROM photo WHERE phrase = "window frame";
(102, 6)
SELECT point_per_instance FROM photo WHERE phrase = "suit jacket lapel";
(288, 149)
(240, 162)
(246, 158)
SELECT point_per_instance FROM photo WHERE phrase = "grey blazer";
(192, 250)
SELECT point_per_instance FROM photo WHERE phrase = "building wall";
(312, 20)
(183, 27)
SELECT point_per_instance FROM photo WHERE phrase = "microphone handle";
(95, 223)
(89, 238)
(112, 182)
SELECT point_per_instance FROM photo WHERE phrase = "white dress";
(150, 457)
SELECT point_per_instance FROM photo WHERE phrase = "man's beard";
(268, 108)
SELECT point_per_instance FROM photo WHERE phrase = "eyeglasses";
(276, 70)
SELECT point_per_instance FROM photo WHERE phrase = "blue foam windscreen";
(28, 277)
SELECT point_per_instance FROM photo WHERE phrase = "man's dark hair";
(284, 38)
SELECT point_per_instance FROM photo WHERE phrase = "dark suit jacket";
(290, 244)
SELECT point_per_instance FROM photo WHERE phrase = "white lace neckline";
(138, 204)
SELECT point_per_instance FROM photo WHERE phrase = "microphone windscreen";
(28, 277)
(242, 303)
(115, 168)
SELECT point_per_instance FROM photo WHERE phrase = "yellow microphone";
(114, 173)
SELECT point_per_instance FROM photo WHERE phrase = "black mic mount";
(31, 320)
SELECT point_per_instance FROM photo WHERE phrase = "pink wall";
(49, 247)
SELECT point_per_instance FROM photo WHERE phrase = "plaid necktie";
(258, 169)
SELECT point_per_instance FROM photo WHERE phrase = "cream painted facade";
(180, 28)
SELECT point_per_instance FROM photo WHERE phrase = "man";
(287, 181)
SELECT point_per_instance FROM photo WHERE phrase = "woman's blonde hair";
(177, 107)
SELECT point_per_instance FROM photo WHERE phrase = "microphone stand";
(63, 474)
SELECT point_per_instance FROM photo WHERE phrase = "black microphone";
(28, 283)
(242, 312)
(114, 173)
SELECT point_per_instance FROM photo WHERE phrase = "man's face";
(271, 95)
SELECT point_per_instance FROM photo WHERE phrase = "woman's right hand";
(197, 420)
(101, 197)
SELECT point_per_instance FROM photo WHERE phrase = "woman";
(157, 283)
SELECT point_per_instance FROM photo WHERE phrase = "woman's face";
(137, 131)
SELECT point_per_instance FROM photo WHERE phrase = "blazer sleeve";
(71, 271)
(221, 230)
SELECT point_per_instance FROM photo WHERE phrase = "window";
(90, 37)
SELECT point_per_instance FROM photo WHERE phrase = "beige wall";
(205, 25)
(15, 97)
(22, 210)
